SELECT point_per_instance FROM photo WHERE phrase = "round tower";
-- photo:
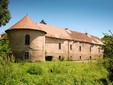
(27, 40)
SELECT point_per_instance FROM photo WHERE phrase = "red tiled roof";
(25, 23)
(55, 32)
(84, 37)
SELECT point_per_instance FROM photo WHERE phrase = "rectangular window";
(59, 45)
(90, 49)
(70, 47)
(80, 57)
(90, 57)
(59, 57)
(79, 48)
(26, 55)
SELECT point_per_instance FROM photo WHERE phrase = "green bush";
(53, 73)
(108, 64)
(55, 69)
(35, 70)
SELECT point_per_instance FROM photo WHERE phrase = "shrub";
(35, 70)
(108, 64)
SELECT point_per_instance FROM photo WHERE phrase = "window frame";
(70, 47)
(59, 46)
(27, 39)
(80, 48)
(26, 55)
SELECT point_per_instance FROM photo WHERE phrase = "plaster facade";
(44, 42)
(36, 48)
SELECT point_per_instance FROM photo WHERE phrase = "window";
(80, 57)
(59, 57)
(90, 48)
(59, 45)
(79, 48)
(90, 57)
(26, 55)
(27, 40)
(70, 47)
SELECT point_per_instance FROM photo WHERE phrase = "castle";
(39, 42)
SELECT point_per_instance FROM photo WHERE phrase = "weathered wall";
(36, 48)
(40, 47)
(52, 49)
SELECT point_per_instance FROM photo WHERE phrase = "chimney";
(66, 28)
(86, 33)
(43, 22)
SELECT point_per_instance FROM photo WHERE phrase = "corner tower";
(27, 40)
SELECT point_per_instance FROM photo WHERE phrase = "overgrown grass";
(53, 73)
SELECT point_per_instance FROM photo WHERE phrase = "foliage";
(35, 70)
(4, 12)
(108, 45)
(4, 47)
(108, 52)
(108, 64)
(52, 73)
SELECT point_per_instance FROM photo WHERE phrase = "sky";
(94, 17)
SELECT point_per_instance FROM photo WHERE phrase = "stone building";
(39, 42)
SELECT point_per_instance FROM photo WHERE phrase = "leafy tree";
(4, 46)
(108, 53)
(4, 13)
(108, 44)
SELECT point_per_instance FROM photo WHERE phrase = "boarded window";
(27, 40)
(70, 47)
(26, 55)
(59, 45)
(79, 48)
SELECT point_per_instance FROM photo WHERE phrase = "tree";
(108, 54)
(108, 44)
(4, 13)
(4, 46)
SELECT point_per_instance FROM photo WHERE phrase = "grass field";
(53, 73)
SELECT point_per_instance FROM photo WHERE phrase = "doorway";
(49, 58)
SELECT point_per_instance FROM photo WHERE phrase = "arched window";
(27, 39)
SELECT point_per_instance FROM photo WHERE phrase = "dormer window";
(27, 39)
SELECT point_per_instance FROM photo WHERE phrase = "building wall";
(40, 47)
(52, 49)
(36, 48)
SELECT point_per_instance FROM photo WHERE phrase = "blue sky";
(92, 16)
